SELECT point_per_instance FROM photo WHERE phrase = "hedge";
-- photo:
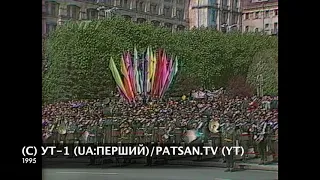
(78, 55)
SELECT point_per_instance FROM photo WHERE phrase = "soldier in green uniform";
(265, 141)
(262, 144)
(229, 141)
(70, 138)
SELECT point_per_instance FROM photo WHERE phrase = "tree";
(237, 86)
(78, 55)
(265, 65)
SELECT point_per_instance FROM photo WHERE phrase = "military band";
(227, 133)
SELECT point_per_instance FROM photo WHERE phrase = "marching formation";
(252, 115)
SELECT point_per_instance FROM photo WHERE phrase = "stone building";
(222, 15)
(43, 17)
(169, 13)
(260, 16)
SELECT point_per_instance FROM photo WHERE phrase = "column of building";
(161, 9)
(239, 18)
(133, 6)
(218, 14)
(63, 13)
(147, 6)
(174, 14)
(83, 13)
(44, 29)
(229, 14)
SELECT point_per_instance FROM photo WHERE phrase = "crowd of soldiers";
(256, 116)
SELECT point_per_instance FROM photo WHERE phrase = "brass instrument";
(213, 126)
(52, 128)
(62, 129)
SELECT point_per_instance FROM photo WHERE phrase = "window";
(180, 14)
(246, 16)
(141, 20)
(124, 3)
(247, 29)
(92, 14)
(154, 9)
(52, 8)
(155, 23)
(126, 17)
(256, 16)
(275, 28)
(44, 8)
(235, 4)
(266, 26)
(276, 12)
(234, 19)
(225, 17)
(256, 30)
(140, 6)
(73, 12)
(50, 27)
(180, 1)
(275, 25)
(251, 16)
(167, 11)
(180, 28)
(168, 25)
(224, 3)
(213, 16)
(267, 14)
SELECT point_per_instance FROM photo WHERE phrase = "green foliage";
(78, 55)
(265, 63)
(238, 86)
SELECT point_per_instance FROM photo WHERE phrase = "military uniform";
(149, 158)
(228, 141)
(262, 146)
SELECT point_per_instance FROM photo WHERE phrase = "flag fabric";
(126, 80)
(151, 74)
(116, 76)
(129, 64)
(136, 72)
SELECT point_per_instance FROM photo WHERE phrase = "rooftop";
(248, 4)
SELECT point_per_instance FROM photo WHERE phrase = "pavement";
(250, 165)
(165, 173)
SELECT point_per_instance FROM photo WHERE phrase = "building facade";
(43, 17)
(260, 16)
(169, 13)
(217, 14)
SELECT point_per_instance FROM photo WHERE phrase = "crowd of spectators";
(187, 111)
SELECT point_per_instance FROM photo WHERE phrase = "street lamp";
(107, 11)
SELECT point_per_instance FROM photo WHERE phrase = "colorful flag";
(152, 73)
(126, 80)
(116, 76)
(136, 72)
